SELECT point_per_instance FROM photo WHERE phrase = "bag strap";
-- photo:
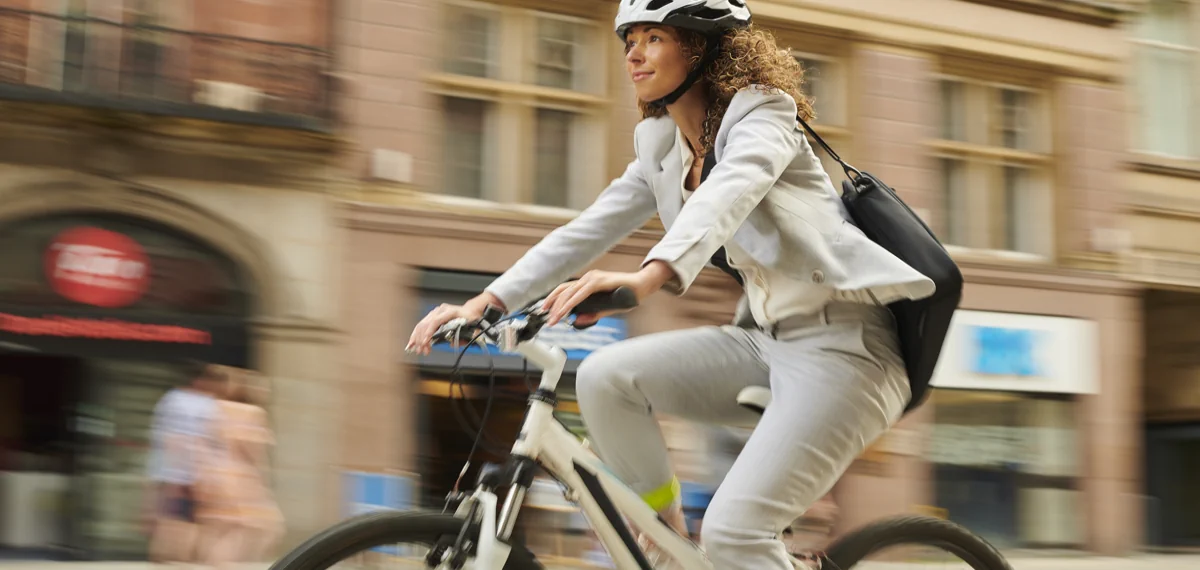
(851, 172)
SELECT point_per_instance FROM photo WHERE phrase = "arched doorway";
(98, 312)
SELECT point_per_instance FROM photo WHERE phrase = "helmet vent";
(707, 13)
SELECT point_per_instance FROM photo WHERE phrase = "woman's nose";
(634, 55)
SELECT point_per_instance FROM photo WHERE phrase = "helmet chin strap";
(710, 54)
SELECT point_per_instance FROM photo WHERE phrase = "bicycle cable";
(480, 422)
(458, 379)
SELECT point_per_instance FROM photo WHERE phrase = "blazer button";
(818, 277)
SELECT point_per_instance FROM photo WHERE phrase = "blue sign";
(371, 492)
(577, 343)
(1005, 352)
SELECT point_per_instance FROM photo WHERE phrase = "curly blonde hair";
(748, 56)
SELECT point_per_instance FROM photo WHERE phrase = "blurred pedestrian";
(181, 438)
(240, 519)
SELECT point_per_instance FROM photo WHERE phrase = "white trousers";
(837, 383)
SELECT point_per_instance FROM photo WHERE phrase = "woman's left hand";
(570, 294)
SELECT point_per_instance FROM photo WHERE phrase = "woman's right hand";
(421, 340)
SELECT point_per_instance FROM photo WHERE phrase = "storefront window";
(97, 314)
(1007, 464)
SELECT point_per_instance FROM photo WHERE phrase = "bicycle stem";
(550, 359)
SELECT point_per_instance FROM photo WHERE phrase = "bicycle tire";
(364, 532)
(914, 530)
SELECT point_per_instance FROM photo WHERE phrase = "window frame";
(839, 95)
(515, 96)
(1140, 140)
(984, 157)
(495, 14)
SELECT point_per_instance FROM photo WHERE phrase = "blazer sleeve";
(623, 207)
(757, 150)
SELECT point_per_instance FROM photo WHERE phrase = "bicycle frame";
(604, 500)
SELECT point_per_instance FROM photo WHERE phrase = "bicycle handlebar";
(620, 298)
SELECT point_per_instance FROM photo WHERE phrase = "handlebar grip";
(618, 299)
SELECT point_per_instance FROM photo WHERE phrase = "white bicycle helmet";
(709, 17)
(705, 16)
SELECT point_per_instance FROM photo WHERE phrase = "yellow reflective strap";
(664, 496)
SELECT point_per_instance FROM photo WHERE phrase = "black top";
(719, 258)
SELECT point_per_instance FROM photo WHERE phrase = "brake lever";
(451, 331)
(492, 315)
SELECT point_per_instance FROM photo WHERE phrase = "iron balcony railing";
(93, 62)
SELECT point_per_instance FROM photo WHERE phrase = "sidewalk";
(1139, 562)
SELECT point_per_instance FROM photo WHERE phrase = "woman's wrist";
(653, 276)
(478, 303)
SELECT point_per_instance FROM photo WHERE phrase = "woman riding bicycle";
(812, 324)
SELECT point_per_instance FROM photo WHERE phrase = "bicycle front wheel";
(379, 534)
(915, 539)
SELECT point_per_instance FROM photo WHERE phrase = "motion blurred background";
(288, 185)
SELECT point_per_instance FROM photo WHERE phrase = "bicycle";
(474, 534)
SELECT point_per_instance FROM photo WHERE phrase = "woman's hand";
(421, 340)
(567, 296)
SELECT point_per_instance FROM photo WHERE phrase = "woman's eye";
(653, 39)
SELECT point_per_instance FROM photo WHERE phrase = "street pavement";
(1019, 562)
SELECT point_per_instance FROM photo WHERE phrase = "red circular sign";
(97, 267)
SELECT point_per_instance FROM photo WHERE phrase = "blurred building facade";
(1004, 123)
(1160, 216)
(166, 192)
(1050, 144)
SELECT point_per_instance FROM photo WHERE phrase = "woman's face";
(655, 60)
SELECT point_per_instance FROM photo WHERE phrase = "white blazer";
(768, 194)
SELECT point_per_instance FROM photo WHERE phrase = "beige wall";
(964, 27)
(385, 50)
(1090, 142)
(895, 110)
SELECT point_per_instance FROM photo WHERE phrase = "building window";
(1006, 465)
(553, 157)
(465, 133)
(520, 112)
(559, 54)
(824, 84)
(1165, 75)
(472, 49)
(75, 46)
(993, 156)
